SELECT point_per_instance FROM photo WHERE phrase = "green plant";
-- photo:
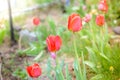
(2, 32)
(102, 57)
(113, 16)
(61, 71)
(20, 73)
(41, 32)
(93, 41)
(43, 1)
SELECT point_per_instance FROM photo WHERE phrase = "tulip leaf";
(91, 65)
(97, 77)
(68, 76)
(77, 71)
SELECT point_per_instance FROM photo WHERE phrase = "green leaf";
(59, 74)
(62, 64)
(92, 55)
(77, 71)
(97, 77)
(20, 73)
(91, 65)
(49, 69)
(104, 56)
(2, 34)
(68, 77)
(84, 68)
(38, 56)
(52, 26)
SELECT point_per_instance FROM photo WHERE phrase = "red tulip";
(54, 43)
(100, 20)
(36, 21)
(34, 70)
(74, 23)
(87, 18)
(103, 6)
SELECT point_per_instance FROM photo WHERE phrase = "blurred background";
(29, 43)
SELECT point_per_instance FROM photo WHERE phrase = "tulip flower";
(103, 6)
(87, 18)
(74, 23)
(53, 43)
(100, 20)
(34, 70)
(36, 21)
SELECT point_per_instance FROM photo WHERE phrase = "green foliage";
(80, 70)
(3, 30)
(61, 71)
(2, 35)
(42, 32)
(113, 14)
(43, 1)
(102, 58)
(68, 77)
(92, 40)
(33, 50)
(20, 73)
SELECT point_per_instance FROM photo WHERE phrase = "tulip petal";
(29, 68)
(48, 44)
(51, 43)
(36, 21)
(58, 42)
(36, 71)
(69, 22)
(70, 19)
(35, 64)
(100, 20)
(76, 24)
(103, 6)
(74, 15)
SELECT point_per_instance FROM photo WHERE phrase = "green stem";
(84, 68)
(92, 35)
(77, 57)
(106, 32)
(102, 39)
(75, 48)
(57, 65)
